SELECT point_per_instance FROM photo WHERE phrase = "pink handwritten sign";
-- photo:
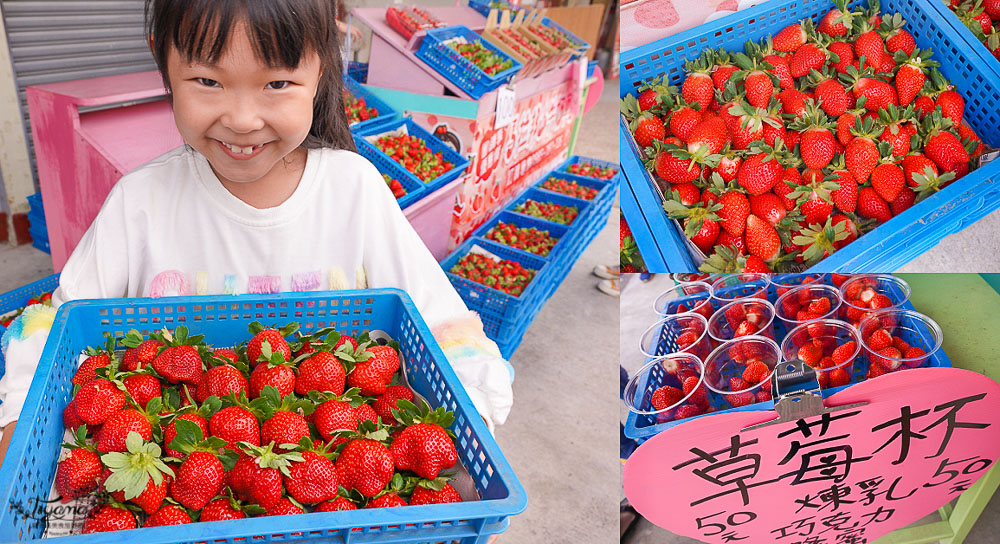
(845, 477)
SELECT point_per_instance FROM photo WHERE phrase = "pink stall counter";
(89, 133)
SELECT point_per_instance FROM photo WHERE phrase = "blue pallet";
(549, 197)
(892, 244)
(501, 313)
(460, 71)
(380, 159)
(415, 189)
(35, 446)
(641, 428)
(526, 221)
(385, 111)
(18, 298)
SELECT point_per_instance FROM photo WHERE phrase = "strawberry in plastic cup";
(693, 296)
(786, 282)
(740, 370)
(829, 346)
(896, 339)
(744, 317)
(668, 388)
(866, 292)
(677, 333)
(733, 287)
(807, 303)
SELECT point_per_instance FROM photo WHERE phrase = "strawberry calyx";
(266, 457)
(322, 340)
(271, 401)
(256, 327)
(130, 472)
(694, 216)
(818, 241)
(248, 508)
(929, 183)
(190, 439)
(352, 396)
(408, 413)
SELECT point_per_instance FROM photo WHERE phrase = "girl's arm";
(7, 431)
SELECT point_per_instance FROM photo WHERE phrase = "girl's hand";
(356, 35)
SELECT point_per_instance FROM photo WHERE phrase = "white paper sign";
(505, 107)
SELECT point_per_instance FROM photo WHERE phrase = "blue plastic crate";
(375, 155)
(579, 44)
(641, 428)
(575, 159)
(358, 71)
(415, 189)
(35, 202)
(39, 238)
(484, 7)
(603, 187)
(950, 18)
(555, 198)
(385, 111)
(892, 244)
(500, 312)
(224, 319)
(460, 71)
(526, 221)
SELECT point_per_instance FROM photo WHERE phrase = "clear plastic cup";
(677, 333)
(694, 297)
(745, 317)
(830, 346)
(785, 282)
(667, 374)
(740, 370)
(862, 291)
(732, 287)
(896, 339)
(790, 307)
(688, 277)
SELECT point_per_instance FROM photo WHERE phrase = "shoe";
(610, 287)
(627, 519)
(607, 272)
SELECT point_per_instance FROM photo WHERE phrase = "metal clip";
(797, 394)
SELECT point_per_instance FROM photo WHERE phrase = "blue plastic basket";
(415, 189)
(601, 186)
(385, 111)
(500, 312)
(555, 198)
(380, 159)
(579, 44)
(484, 7)
(891, 245)
(641, 428)
(358, 71)
(18, 298)
(576, 159)
(950, 18)
(524, 221)
(460, 71)
(31, 459)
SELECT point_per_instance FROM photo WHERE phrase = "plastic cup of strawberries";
(786, 282)
(829, 346)
(685, 297)
(864, 293)
(740, 370)
(897, 339)
(744, 317)
(671, 388)
(806, 141)
(807, 303)
(687, 333)
(732, 287)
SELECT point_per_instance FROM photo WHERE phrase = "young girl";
(267, 196)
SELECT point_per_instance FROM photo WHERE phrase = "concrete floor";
(558, 437)
(636, 316)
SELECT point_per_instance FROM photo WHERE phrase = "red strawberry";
(388, 500)
(365, 413)
(839, 377)
(683, 121)
(845, 54)
(274, 338)
(647, 129)
(762, 240)
(170, 514)
(105, 517)
(844, 352)
(387, 402)
(869, 45)
(220, 381)
(425, 449)
(334, 415)
(280, 377)
(649, 99)
(235, 424)
(256, 476)
(284, 507)
(698, 87)
(365, 465)
(887, 180)
(142, 388)
(199, 478)
(179, 364)
(759, 88)
(945, 150)
(759, 173)
(711, 132)
(806, 58)
(88, 369)
(741, 399)
(872, 206)
(374, 374)
(880, 340)
(423, 495)
(77, 474)
(219, 510)
(170, 432)
(676, 165)
(755, 372)
(903, 202)
(734, 212)
(862, 156)
(698, 394)
(686, 411)
(790, 38)
(118, 425)
(320, 372)
(665, 397)
(952, 106)
(284, 427)
(336, 505)
(312, 480)
(97, 400)
(837, 21)
(832, 97)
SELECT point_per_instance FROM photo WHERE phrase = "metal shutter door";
(60, 40)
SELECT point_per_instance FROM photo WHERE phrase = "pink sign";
(844, 477)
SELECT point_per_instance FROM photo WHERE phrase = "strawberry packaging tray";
(892, 244)
(435, 51)
(30, 465)
(366, 137)
(548, 197)
(555, 230)
(643, 427)
(581, 160)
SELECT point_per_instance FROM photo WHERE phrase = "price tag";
(988, 157)
(505, 107)
(479, 250)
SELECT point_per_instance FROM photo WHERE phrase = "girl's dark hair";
(281, 33)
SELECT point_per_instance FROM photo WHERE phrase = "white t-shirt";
(170, 228)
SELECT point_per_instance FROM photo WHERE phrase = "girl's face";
(244, 116)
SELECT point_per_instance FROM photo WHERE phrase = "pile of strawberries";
(518, 43)
(892, 353)
(395, 186)
(414, 155)
(550, 35)
(548, 211)
(485, 59)
(862, 296)
(407, 20)
(667, 396)
(43, 298)
(539, 242)
(503, 275)
(172, 431)
(356, 109)
(778, 156)
(804, 306)
(819, 349)
(628, 253)
(591, 170)
(983, 19)
(569, 188)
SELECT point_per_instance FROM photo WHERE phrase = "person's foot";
(627, 518)
(610, 287)
(607, 272)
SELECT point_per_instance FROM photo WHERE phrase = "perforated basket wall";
(30, 464)
(459, 163)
